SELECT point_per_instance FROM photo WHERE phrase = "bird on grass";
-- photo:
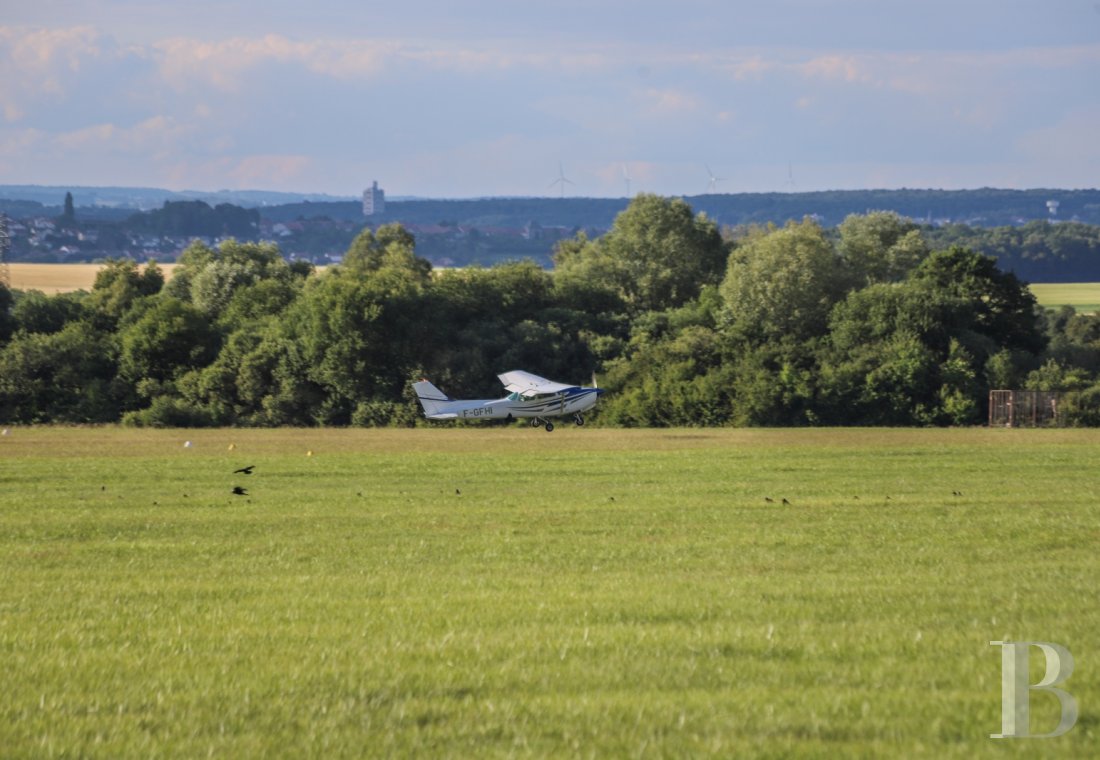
(769, 500)
(245, 470)
(238, 491)
(786, 502)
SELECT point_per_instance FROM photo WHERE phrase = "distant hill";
(985, 207)
(146, 198)
(1012, 225)
(479, 212)
(982, 208)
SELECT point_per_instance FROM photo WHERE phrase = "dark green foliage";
(66, 376)
(922, 351)
(169, 338)
(777, 326)
(782, 283)
(657, 255)
(7, 319)
(197, 218)
(68, 215)
(35, 312)
(166, 411)
(1037, 251)
(998, 304)
(880, 246)
(1082, 408)
(119, 284)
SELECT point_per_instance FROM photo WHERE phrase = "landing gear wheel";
(578, 419)
(536, 422)
(549, 427)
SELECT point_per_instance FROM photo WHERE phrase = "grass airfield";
(496, 591)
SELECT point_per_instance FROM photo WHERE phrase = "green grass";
(1083, 296)
(505, 592)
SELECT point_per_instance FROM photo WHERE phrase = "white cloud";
(153, 137)
(269, 170)
(95, 137)
(39, 64)
(226, 64)
(835, 67)
(281, 107)
(671, 101)
(754, 68)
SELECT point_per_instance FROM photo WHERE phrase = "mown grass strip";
(500, 591)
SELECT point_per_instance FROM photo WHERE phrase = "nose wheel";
(577, 418)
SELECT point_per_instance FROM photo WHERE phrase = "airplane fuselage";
(515, 406)
(532, 397)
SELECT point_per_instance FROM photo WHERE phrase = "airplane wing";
(526, 384)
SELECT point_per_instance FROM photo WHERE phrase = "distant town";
(81, 224)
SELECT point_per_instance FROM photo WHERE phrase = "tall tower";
(374, 200)
(5, 244)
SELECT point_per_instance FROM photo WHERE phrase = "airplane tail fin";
(431, 398)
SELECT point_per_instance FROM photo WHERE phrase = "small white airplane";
(531, 396)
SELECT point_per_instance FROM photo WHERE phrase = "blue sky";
(445, 99)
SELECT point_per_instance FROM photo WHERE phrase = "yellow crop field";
(1083, 296)
(61, 278)
(65, 278)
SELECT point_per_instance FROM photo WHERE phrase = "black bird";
(786, 502)
(769, 499)
(245, 470)
(457, 492)
(238, 491)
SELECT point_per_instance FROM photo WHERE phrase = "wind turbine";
(561, 180)
(790, 178)
(626, 179)
(712, 185)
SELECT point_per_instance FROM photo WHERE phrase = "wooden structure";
(1023, 408)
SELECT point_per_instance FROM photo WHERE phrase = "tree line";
(684, 325)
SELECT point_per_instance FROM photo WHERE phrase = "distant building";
(374, 200)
